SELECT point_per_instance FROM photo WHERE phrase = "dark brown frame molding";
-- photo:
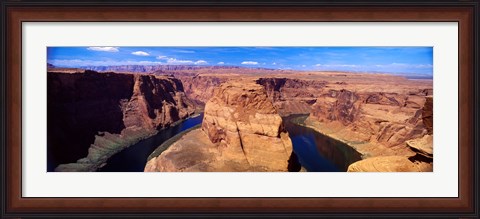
(15, 12)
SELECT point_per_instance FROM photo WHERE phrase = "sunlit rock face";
(241, 131)
(420, 148)
(240, 116)
(200, 88)
(292, 96)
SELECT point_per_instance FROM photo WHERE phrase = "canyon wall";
(376, 117)
(241, 131)
(93, 115)
(420, 158)
(200, 88)
(289, 96)
(292, 96)
(365, 110)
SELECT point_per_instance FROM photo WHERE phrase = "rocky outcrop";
(427, 114)
(240, 116)
(387, 119)
(422, 146)
(421, 151)
(200, 88)
(292, 96)
(241, 131)
(389, 164)
(94, 115)
(156, 102)
(337, 105)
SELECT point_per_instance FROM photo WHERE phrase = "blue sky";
(413, 60)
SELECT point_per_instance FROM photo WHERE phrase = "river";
(315, 152)
(134, 158)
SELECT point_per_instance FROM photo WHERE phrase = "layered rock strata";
(94, 115)
(420, 157)
(378, 118)
(292, 96)
(241, 131)
(200, 88)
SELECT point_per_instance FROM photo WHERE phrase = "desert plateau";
(176, 115)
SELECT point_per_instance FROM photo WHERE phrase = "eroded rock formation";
(94, 115)
(420, 157)
(200, 88)
(384, 118)
(292, 96)
(241, 131)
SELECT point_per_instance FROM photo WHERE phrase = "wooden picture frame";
(15, 12)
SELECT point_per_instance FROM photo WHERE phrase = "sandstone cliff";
(292, 96)
(94, 115)
(388, 119)
(420, 147)
(241, 131)
(200, 88)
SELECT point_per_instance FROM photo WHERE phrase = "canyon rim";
(240, 109)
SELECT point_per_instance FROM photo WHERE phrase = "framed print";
(282, 108)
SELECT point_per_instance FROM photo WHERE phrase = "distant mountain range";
(153, 68)
(160, 69)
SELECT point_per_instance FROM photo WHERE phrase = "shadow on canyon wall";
(79, 106)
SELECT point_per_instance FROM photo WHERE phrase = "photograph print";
(239, 109)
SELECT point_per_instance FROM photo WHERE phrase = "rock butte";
(95, 115)
(241, 131)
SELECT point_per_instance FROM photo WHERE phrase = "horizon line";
(422, 75)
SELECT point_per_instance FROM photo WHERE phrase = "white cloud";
(140, 53)
(104, 49)
(274, 63)
(201, 62)
(249, 63)
(220, 63)
(174, 61)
